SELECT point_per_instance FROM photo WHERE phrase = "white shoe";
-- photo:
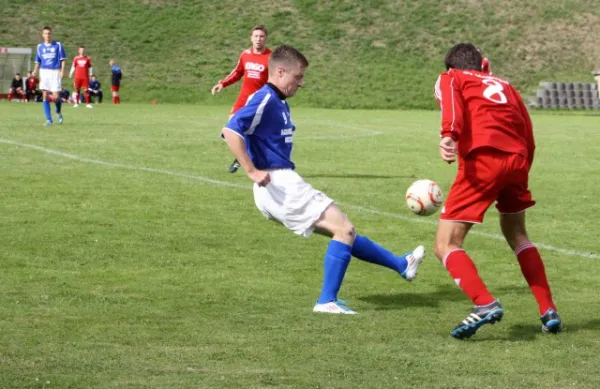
(414, 260)
(89, 106)
(336, 307)
(75, 105)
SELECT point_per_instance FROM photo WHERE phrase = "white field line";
(358, 208)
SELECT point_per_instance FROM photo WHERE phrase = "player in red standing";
(253, 66)
(485, 122)
(82, 67)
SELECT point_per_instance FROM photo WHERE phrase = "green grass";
(132, 259)
(363, 54)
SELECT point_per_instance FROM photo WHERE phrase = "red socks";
(116, 100)
(463, 270)
(534, 272)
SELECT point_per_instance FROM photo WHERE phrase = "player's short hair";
(260, 27)
(18, 74)
(47, 28)
(82, 47)
(463, 56)
(287, 55)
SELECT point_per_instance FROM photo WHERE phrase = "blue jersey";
(49, 56)
(266, 126)
(116, 75)
(94, 85)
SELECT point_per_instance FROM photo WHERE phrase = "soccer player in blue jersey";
(50, 59)
(260, 137)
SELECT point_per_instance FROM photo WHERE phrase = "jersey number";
(494, 91)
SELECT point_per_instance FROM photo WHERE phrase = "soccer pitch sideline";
(132, 259)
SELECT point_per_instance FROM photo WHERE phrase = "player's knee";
(346, 232)
(441, 249)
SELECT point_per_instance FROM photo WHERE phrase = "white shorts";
(291, 201)
(50, 80)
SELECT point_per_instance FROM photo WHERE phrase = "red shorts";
(114, 88)
(485, 176)
(81, 83)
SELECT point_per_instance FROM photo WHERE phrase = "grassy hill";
(367, 53)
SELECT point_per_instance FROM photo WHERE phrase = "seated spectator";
(95, 89)
(32, 92)
(64, 95)
(16, 88)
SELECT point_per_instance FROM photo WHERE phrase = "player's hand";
(448, 149)
(216, 89)
(61, 74)
(260, 177)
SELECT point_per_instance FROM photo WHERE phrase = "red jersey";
(479, 110)
(82, 66)
(254, 68)
(32, 82)
(485, 66)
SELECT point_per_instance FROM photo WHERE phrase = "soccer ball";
(424, 197)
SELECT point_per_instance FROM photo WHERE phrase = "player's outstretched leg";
(532, 267)
(448, 242)
(406, 265)
(235, 165)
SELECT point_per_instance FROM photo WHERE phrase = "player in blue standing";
(260, 137)
(50, 59)
(115, 83)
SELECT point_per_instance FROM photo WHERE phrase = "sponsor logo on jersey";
(258, 67)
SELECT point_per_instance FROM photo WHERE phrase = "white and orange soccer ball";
(424, 197)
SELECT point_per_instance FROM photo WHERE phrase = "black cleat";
(479, 316)
(551, 322)
(235, 165)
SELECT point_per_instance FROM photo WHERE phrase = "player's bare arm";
(238, 149)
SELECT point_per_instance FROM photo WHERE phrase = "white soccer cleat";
(414, 259)
(335, 307)
(89, 106)
(75, 105)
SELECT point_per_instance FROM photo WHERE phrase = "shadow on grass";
(406, 300)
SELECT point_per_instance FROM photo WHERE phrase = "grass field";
(132, 259)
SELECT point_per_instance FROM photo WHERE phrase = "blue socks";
(337, 259)
(367, 250)
(46, 105)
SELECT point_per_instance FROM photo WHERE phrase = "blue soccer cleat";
(480, 315)
(551, 322)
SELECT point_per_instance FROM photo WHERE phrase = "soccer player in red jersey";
(82, 67)
(486, 123)
(253, 66)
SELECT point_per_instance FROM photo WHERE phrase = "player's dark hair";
(287, 55)
(463, 56)
(260, 27)
(81, 47)
(47, 28)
